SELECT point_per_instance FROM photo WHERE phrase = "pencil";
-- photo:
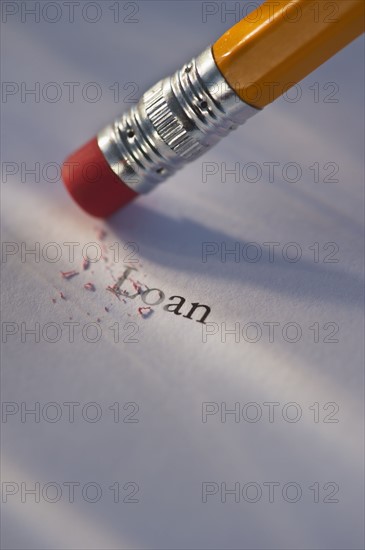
(183, 116)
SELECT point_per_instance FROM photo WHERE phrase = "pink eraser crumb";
(68, 274)
(145, 312)
(90, 286)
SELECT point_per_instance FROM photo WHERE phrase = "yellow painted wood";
(282, 41)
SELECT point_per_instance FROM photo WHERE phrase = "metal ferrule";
(175, 122)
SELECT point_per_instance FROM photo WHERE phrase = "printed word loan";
(155, 296)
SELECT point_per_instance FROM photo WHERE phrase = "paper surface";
(180, 376)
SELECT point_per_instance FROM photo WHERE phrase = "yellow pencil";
(282, 42)
(180, 118)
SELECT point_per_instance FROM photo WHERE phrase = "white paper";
(171, 372)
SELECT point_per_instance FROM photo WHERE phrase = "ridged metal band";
(176, 121)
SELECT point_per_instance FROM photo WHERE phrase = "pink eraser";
(93, 184)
